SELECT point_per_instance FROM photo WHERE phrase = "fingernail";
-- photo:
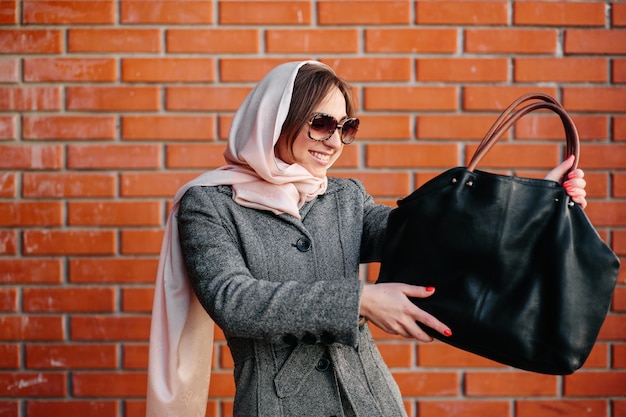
(571, 175)
(447, 332)
(430, 289)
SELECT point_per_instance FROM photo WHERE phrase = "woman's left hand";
(574, 184)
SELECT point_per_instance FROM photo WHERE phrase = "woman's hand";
(574, 184)
(388, 307)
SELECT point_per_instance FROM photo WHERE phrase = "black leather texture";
(521, 275)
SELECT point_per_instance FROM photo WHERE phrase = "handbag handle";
(512, 114)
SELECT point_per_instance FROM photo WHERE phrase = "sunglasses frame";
(337, 126)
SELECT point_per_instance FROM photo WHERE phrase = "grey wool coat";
(286, 294)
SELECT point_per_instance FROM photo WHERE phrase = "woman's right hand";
(388, 307)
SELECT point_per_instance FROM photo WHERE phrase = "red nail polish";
(430, 289)
(447, 333)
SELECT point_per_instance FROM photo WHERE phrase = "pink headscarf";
(181, 333)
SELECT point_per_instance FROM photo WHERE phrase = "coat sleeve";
(374, 228)
(243, 306)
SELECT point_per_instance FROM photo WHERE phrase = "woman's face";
(316, 156)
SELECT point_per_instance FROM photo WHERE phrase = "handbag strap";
(514, 112)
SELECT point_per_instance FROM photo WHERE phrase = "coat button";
(290, 340)
(303, 244)
(309, 339)
(322, 365)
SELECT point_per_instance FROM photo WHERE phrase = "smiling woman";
(270, 247)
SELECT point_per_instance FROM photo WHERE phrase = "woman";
(271, 247)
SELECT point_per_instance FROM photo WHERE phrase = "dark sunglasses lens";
(323, 125)
(348, 132)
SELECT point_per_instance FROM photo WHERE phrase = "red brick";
(497, 97)
(30, 271)
(411, 40)
(411, 155)
(619, 296)
(619, 128)
(113, 156)
(312, 41)
(7, 184)
(247, 69)
(166, 12)
(604, 156)
(518, 156)
(113, 98)
(222, 384)
(59, 300)
(619, 408)
(137, 299)
(498, 384)
(561, 69)
(141, 242)
(108, 328)
(420, 384)
(92, 408)
(546, 126)
(157, 184)
(595, 99)
(264, 13)
(594, 41)
(51, 12)
(383, 126)
(492, 12)
(613, 328)
(607, 213)
(9, 72)
(114, 40)
(68, 242)
(71, 356)
(372, 68)
(462, 69)
(31, 213)
(69, 69)
(559, 13)
(73, 184)
(366, 12)
(114, 213)
(31, 156)
(618, 14)
(168, 128)
(454, 126)
(205, 98)
(557, 408)
(410, 98)
(30, 41)
(168, 70)
(619, 356)
(440, 355)
(397, 355)
(8, 301)
(112, 270)
(385, 184)
(68, 127)
(515, 40)
(195, 156)
(134, 408)
(30, 98)
(8, 242)
(618, 71)
(7, 127)
(33, 384)
(10, 354)
(449, 407)
(30, 328)
(8, 15)
(212, 41)
(135, 356)
(109, 384)
(607, 384)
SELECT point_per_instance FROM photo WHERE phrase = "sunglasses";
(322, 126)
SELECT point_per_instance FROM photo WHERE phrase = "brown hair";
(311, 86)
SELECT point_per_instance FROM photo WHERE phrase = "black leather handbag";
(521, 275)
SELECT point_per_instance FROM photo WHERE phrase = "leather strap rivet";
(469, 183)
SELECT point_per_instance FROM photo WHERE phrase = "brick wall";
(108, 106)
